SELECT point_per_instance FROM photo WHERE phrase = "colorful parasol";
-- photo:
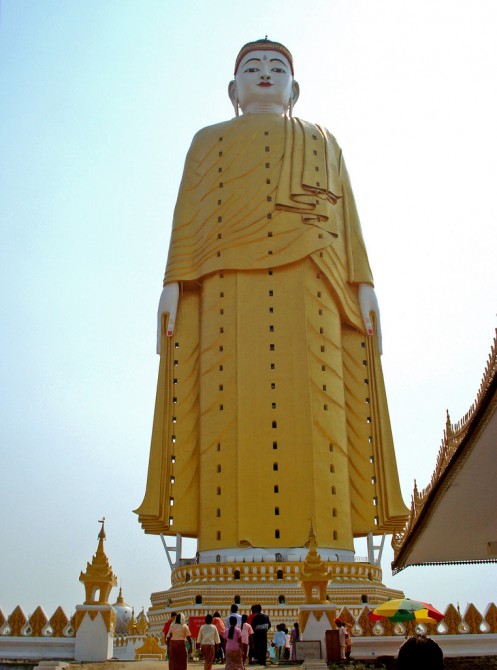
(405, 609)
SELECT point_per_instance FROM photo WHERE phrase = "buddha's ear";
(232, 93)
(295, 92)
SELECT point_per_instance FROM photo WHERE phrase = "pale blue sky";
(99, 101)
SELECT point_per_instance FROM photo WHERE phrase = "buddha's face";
(264, 80)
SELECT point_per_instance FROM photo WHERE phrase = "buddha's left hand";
(368, 303)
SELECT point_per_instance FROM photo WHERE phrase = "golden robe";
(270, 403)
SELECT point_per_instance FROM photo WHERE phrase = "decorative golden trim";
(58, 621)
(150, 649)
(453, 623)
(108, 616)
(303, 618)
(453, 437)
(267, 572)
(17, 620)
(77, 619)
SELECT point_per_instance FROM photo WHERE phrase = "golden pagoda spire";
(131, 627)
(98, 577)
(142, 623)
(120, 599)
(314, 575)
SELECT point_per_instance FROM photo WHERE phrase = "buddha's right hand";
(168, 306)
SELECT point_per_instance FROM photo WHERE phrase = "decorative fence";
(38, 637)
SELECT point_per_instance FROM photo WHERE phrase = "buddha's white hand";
(168, 306)
(368, 303)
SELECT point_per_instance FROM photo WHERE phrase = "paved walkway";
(163, 665)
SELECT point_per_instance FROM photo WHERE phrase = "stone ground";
(475, 663)
(154, 665)
(157, 665)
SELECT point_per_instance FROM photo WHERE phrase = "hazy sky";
(99, 100)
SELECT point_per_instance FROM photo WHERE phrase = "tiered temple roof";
(452, 519)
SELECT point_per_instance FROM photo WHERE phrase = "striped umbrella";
(405, 609)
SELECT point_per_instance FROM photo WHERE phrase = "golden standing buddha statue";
(270, 406)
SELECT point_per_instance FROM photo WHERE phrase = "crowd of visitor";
(242, 640)
(237, 641)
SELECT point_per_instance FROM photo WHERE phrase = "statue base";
(201, 588)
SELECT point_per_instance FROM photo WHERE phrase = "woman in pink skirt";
(233, 649)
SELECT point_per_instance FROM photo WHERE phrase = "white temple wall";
(12, 648)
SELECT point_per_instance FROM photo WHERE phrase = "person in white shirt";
(234, 612)
(280, 641)
(342, 636)
(208, 637)
(247, 633)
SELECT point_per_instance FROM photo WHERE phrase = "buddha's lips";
(264, 83)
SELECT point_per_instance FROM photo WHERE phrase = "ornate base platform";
(201, 588)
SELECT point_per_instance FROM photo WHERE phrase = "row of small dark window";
(281, 599)
(276, 534)
(199, 600)
(276, 509)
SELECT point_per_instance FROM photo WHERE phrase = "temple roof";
(453, 519)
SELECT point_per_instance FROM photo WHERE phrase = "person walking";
(288, 645)
(247, 636)
(279, 641)
(348, 642)
(233, 648)
(219, 623)
(261, 624)
(208, 638)
(176, 640)
(294, 638)
(253, 612)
